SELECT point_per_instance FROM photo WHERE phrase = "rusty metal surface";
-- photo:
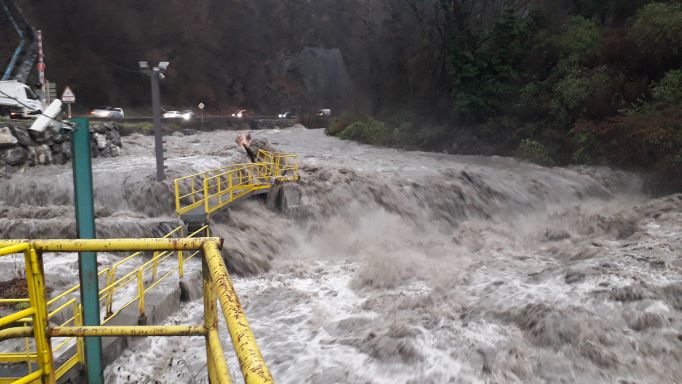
(114, 245)
(128, 330)
(251, 360)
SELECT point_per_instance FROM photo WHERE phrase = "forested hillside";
(557, 82)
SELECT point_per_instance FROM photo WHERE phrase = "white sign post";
(68, 97)
(201, 107)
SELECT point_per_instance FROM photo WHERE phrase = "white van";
(18, 100)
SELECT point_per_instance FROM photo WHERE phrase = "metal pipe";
(36, 290)
(13, 248)
(29, 378)
(251, 361)
(15, 332)
(128, 330)
(114, 245)
(16, 316)
(217, 355)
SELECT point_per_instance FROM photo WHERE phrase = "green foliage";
(658, 30)
(485, 76)
(669, 89)
(143, 127)
(580, 41)
(535, 152)
(650, 138)
(339, 123)
(369, 131)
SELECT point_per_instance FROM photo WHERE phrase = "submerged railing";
(34, 320)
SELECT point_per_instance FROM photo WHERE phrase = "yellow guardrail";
(35, 319)
(212, 190)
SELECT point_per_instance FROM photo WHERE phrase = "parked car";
(324, 112)
(240, 113)
(111, 112)
(287, 115)
(18, 100)
(172, 115)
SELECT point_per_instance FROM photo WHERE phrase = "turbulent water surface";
(406, 267)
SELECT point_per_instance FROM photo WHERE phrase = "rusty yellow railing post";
(193, 192)
(177, 195)
(140, 298)
(209, 319)
(215, 356)
(78, 322)
(181, 268)
(37, 296)
(229, 184)
(206, 196)
(220, 197)
(111, 278)
(155, 263)
(251, 361)
(28, 351)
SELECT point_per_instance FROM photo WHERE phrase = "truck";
(18, 100)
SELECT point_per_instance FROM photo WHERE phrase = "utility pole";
(158, 139)
(156, 74)
(41, 67)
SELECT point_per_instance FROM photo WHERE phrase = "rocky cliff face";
(21, 147)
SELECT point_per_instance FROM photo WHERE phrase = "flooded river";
(405, 267)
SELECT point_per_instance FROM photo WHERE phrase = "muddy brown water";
(403, 267)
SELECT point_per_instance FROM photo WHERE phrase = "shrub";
(339, 123)
(580, 41)
(369, 131)
(535, 152)
(651, 138)
(669, 89)
(658, 30)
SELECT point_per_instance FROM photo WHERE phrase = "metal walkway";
(199, 195)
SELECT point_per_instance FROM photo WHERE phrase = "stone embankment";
(21, 147)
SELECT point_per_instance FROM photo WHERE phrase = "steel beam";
(87, 260)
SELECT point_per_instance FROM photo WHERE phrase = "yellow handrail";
(217, 188)
(251, 361)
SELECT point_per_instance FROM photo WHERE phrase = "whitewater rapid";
(413, 267)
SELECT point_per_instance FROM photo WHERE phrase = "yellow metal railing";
(35, 319)
(212, 190)
(70, 309)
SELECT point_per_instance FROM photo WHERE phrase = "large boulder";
(21, 133)
(101, 140)
(115, 137)
(98, 128)
(42, 137)
(15, 156)
(7, 139)
(44, 154)
(66, 149)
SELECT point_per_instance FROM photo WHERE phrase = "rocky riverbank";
(21, 147)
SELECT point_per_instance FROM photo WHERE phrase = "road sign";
(68, 96)
(51, 91)
(201, 105)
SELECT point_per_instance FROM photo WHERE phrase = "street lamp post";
(156, 73)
